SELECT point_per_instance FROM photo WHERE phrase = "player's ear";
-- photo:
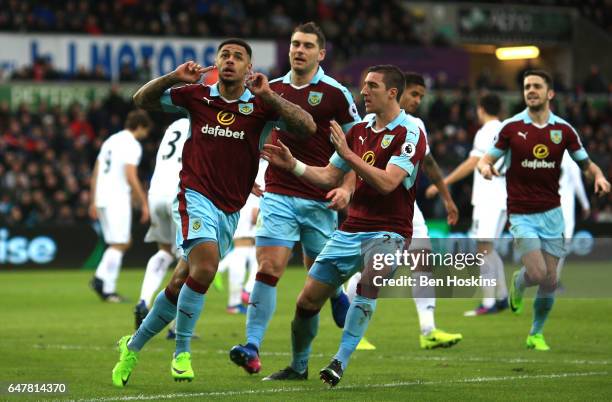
(550, 94)
(392, 93)
(321, 56)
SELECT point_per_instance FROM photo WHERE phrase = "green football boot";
(125, 365)
(181, 367)
(439, 339)
(537, 342)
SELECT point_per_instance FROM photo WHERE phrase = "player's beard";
(537, 107)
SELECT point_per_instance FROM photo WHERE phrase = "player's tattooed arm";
(602, 185)
(298, 121)
(433, 172)
(148, 96)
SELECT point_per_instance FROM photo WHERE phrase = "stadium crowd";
(48, 153)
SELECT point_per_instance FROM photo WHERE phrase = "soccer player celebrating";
(229, 123)
(114, 178)
(424, 296)
(162, 193)
(533, 142)
(292, 209)
(489, 201)
(385, 153)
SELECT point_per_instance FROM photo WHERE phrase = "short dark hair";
(540, 73)
(393, 77)
(239, 42)
(491, 104)
(138, 118)
(312, 28)
(413, 78)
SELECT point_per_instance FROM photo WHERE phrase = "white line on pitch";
(357, 356)
(347, 387)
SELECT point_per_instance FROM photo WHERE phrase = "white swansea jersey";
(118, 151)
(492, 192)
(571, 184)
(168, 164)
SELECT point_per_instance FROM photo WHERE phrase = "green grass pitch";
(54, 329)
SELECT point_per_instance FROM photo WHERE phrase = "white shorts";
(420, 234)
(488, 222)
(116, 222)
(162, 229)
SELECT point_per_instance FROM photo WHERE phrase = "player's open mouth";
(299, 59)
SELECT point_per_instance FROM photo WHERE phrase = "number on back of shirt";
(172, 144)
(107, 162)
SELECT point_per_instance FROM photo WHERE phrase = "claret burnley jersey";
(402, 143)
(533, 160)
(221, 155)
(325, 99)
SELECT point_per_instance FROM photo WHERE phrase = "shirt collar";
(245, 97)
(315, 79)
(525, 115)
(392, 124)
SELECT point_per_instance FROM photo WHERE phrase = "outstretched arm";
(298, 121)
(485, 166)
(148, 96)
(326, 177)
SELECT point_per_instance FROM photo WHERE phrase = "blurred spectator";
(595, 81)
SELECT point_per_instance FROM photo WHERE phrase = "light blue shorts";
(345, 253)
(198, 220)
(539, 231)
(283, 220)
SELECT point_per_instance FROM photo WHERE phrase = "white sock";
(236, 271)
(154, 275)
(425, 301)
(501, 289)
(488, 271)
(253, 266)
(108, 269)
(351, 286)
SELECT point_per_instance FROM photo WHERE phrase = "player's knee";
(270, 266)
(308, 301)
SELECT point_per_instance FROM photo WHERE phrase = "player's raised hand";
(431, 191)
(602, 186)
(258, 84)
(278, 155)
(191, 72)
(339, 198)
(339, 139)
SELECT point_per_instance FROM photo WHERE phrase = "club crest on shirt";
(556, 136)
(245, 108)
(386, 141)
(196, 225)
(314, 98)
